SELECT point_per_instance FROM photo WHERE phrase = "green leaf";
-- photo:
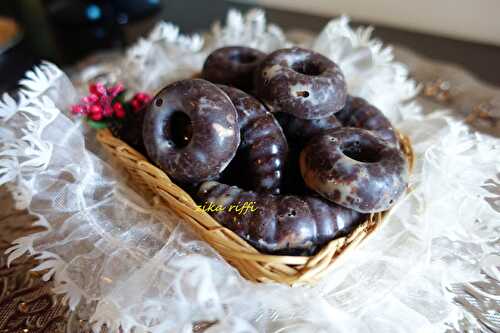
(97, 124)
(120, 97)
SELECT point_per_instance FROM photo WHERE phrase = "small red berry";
(143, 97)
(120, 113)
(136, 105)
(117, 106)
(115, 90)
(98, 89)
(76, 109)
(96, 116)
(95, 109)
(93, 88)
(93, 98)
(108, 111)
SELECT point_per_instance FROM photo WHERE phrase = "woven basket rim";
(251, 263)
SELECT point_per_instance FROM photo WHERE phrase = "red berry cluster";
(98, 104)
(102, 103)
(139, 101)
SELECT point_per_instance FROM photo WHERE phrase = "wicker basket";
(252, 264)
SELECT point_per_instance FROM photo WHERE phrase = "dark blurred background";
(65, 31)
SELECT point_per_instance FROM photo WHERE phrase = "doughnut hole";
(307, 68)
(361, 152)
(178, 129)
(303, 94)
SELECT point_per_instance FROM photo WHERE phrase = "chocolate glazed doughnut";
(359, 113)
(298, 132)
(190, 130)
(289, 225)
(232, 65)
(301, 130)
(354, 168)
(263, 147)
(301, 82)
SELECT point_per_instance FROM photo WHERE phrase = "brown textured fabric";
(27, 304)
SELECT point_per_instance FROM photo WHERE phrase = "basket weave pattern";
(252, 264)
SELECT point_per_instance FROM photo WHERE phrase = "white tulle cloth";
(140, 268)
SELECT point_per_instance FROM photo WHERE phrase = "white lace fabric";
(141, 268)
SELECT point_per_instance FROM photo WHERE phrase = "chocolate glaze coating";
(354, 168)
(301, 130)
(263, 149)
(210, 135)
(301, 82)
(357, 112)
(293, 182)
(287, 225)
(298, 132)
(232, 65)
